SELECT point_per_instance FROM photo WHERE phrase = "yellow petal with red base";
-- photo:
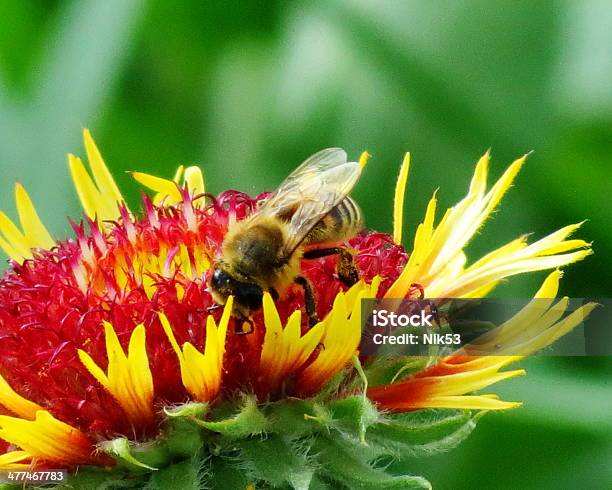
(444, 384)
(129, 377)
(341, 337)
(201, 372)
(47, 438)
(449, 382)
(284, 349)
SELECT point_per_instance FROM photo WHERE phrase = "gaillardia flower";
(115, 360)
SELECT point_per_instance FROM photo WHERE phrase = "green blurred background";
(249, 89)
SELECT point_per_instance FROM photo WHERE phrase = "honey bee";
(307, 217)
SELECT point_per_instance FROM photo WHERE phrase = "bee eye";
(220, 279)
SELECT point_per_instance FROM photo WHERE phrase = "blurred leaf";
(555, 399)
(239, 116)
(83, 55)
(583, 82)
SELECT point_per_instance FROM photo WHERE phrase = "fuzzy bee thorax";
(256, 252)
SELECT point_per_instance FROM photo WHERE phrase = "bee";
(307, 217)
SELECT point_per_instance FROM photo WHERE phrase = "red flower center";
(54, 304)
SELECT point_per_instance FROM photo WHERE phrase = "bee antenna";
(363, 159)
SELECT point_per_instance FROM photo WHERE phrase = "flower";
(472, 368)
(110, 341)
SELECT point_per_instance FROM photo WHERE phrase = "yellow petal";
(86, 190)
(128, 378)
(422, 240)
(167, 191)
(100, 196)
(398, 202)
(553, 333)
(13, 460)
(437, 261)
(47, 438)
(461, 383)
(552, 240)
(170, 334)
(466, 402)
(201, 373)
(139, 367)
(536, 326)
(340, 340)
(475, 277)
(12, 240)
(363, 159)
(104, 180)
(463, 224)
(16, 403)
(33, 229)
(178, 174)
(16, 243)
(194, 178)
(284, 350)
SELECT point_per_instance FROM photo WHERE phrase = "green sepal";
(318, 483)
(297, 418)
(181, 432)
(331, 388)
(354, 414)
(95, 478)
(248, 421)
(276, 461)
(186, 475)
(144, 456)
(310, 444)
(386, 370)
(225, 474)
(182, 438)
(349, 466)
(191, 409)
(422, 433)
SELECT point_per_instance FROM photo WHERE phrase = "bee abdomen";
(343, 222)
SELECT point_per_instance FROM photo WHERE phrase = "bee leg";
(347, 272)
(214, 307)
(311, 307)
(317, 253)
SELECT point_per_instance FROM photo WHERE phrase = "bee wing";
(286, 197)
(311, 191)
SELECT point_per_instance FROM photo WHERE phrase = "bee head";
(247, 295)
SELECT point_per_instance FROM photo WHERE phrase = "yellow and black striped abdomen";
(343, 222)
